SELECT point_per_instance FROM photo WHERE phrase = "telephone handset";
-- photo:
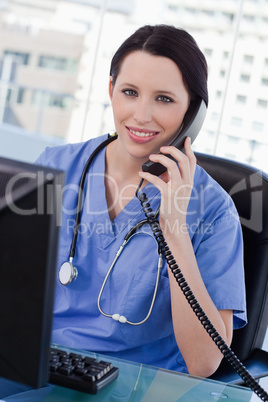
(191, 126)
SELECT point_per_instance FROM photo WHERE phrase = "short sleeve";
(220, 259)
(218, 246)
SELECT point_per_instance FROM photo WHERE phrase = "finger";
(182, 160)
(189, 153)
(186, 161)
(155, 180)
(170, 164)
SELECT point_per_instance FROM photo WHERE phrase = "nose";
(143, 111)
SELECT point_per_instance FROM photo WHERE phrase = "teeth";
(141, 134)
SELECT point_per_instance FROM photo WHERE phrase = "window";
(57, 63)
(51, 99)
(264, 81)
(208, 52)
(244, 78)
(190, 10)
(20, 96)
(172, 7)
(248, 59)
(209, 13)
(241, 99)
(233, 140)
(19, 57)
(236, 121)
(248, 18)
(15, 95)
(228, 16)
(257, 126)
(261, 103)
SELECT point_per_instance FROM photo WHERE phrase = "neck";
(123, 168)
(121, 178)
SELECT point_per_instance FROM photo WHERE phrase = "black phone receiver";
(191, 125)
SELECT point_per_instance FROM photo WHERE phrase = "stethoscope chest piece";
(68, 273)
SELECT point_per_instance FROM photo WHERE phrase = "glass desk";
(137, 382)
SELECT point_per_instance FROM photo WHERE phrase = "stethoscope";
(68, 272)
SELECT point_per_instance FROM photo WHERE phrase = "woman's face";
(149, 101)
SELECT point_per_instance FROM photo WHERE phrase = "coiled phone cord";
(232, 359)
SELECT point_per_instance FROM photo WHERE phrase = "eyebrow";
(127, 84)
(167, 93)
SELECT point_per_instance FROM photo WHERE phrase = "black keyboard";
(82, 373)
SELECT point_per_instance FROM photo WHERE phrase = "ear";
(111, 87)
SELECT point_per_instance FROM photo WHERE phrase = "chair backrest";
(248, 188)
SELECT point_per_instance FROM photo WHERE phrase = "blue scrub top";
(214, 228)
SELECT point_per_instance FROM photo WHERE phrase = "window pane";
(57, 63)
(61, 51)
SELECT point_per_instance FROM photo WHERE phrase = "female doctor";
(131, 306)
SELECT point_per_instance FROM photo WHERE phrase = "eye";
(130, 92)
(163, 98)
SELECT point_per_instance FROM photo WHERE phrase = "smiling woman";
(156, 75)
(149, 101)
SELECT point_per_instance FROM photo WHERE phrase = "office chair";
(248, 188)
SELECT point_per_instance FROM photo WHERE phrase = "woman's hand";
(175, 185)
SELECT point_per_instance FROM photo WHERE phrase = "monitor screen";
(30, 204)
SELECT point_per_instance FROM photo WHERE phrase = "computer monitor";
(30, 210)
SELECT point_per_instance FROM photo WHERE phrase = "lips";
(141, 135)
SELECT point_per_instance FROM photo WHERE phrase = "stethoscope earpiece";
(68, 273)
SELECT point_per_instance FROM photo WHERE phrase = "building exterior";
(39, 70)
(56, 54)
(236, 48)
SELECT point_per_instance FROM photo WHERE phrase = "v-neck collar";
(131, 214)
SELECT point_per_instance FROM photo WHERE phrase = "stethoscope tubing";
(81, 189)
(119, 317)
(68, 273)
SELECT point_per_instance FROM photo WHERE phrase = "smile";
(142, 134)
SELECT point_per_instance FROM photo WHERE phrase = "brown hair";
(174, 43)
